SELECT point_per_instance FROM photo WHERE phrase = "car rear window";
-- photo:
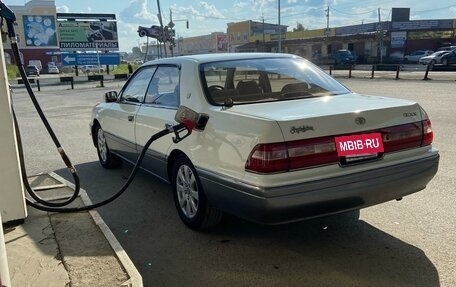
(266, 79)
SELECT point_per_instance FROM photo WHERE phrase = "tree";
(299, 27)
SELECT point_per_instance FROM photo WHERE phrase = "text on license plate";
(359, 144)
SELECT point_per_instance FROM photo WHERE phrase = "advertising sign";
(222, 43)
(39, 30)
(422, 25)
(88, 35)
(398, 39)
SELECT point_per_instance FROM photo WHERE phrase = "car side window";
(164, 87)
(136, 89)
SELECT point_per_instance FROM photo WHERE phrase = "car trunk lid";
(333, 115)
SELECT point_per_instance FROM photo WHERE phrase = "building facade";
(36, 31)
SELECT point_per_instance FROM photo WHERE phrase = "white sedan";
(283, 141)
(434, 58)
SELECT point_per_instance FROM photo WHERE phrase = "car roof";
(209, 58)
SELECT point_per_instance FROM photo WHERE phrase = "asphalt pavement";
(405, 243)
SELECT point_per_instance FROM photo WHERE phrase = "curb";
(135, 278)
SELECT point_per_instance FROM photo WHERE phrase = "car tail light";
(428, 134)
(268, 158)
(293, 155)
(282, 157)
(407, 136)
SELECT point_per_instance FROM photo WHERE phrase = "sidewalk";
(66, 249)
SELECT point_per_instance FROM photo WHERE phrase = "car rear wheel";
(189, 197)
(106, 158)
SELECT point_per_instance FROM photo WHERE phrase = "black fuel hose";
(41, 204)
(10, 18)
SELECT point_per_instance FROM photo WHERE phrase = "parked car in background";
(449, 58)
(298, 144)
(32, 70)
(446, 48)
(92, 69)
(434, 58)
(415, 56)
(344, 57)
(53, 70)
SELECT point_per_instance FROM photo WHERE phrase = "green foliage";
(123, 68)
(12, 71)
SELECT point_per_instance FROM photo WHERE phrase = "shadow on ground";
(330, 252)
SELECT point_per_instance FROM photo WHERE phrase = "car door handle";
(131, 118)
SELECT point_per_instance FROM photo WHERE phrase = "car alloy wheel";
(189, 197)
(107, 159)
(187, 191)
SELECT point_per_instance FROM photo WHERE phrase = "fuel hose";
(40, 203)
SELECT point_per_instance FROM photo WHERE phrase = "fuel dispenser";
(12, 202)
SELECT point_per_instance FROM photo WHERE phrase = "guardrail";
(68, 80)
(397, 68)
(72, 80)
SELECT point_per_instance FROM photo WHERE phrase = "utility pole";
(380, 36)
(327, 22)
(262, 18)
(161, 25)
(280, 28)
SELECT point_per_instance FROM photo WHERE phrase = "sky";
(209, 16)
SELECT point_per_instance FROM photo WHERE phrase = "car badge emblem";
(301, 129)
(360, 121)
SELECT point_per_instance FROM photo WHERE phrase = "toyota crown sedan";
(281, 140)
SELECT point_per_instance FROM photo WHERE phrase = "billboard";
(222, 43)
(398, 39)
(88, 36)
(39, 30)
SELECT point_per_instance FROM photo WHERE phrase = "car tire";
(106, 158)
(189, 197)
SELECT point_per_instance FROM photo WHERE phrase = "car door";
(159, 108)
(452, 57)
(119, 122)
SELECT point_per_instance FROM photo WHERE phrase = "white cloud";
(138, 12)
(210, 10)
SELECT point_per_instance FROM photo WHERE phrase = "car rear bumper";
(322, 197)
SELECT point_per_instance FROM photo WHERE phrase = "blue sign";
(90, 59)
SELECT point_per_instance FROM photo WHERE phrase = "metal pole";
(98, 57)
(380, 36)
(280, 29)
(262, 18)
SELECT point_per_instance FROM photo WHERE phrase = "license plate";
(356, 146)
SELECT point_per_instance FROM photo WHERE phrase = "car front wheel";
(189, 197)
(107, 159)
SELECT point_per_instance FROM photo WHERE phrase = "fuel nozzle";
(188, 120)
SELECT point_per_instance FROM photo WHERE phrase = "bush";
(123, 68)
(12, 71)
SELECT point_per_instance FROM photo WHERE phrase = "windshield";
(266, 79)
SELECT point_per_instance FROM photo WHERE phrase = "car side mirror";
(111, 96)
